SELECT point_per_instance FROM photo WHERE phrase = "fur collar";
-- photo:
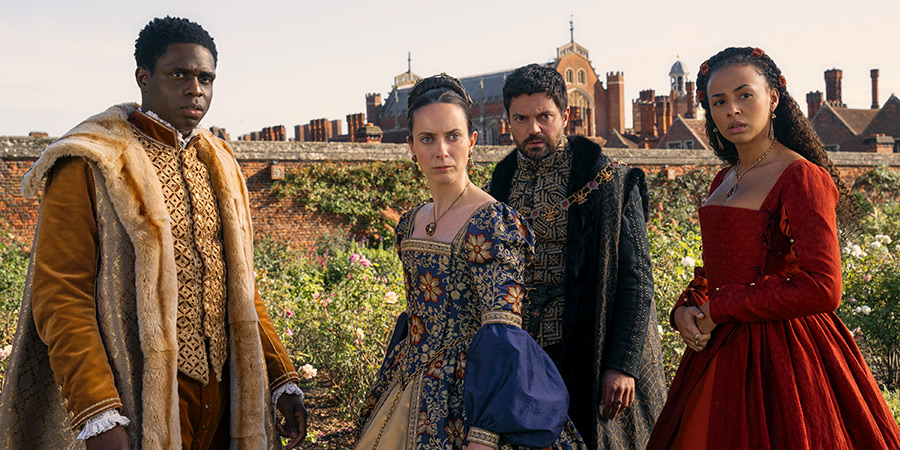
(585, 156)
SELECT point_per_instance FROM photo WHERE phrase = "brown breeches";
(203, 412)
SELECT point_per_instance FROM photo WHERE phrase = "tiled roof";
(616, 140)
(886, 120)
(856, 119)
(831, 126)
(698, 127)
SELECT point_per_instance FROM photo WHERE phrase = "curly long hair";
(790, 126)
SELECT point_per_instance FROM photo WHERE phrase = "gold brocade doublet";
(536, 186)
(199, 257)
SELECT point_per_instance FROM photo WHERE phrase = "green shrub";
(368, 196)
(334, 311)
(14, 258)
(675, 202)
(871, 274)
(892, 397)
(674, 255)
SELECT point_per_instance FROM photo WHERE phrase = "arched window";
(581, 77)
(569, 76)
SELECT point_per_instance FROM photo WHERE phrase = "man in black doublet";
(590, 287)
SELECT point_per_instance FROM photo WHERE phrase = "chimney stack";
(874, 74)
(813, 103)
(689, 87)
(662, 115)
(833, 87)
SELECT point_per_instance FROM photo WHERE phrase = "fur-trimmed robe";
(609, 313)
(132, 214)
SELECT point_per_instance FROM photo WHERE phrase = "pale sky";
(285, 63)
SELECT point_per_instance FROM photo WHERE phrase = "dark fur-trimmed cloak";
(610, 317)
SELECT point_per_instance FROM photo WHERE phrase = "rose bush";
(334, 310)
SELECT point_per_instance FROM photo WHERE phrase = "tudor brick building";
(874, 129)
(596, 109)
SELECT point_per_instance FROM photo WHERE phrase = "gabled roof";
(886, 120)
(832, 125)
(682, 128)
(616, 140)
(698, 127)
(855, 119)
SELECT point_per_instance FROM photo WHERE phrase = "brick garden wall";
(284, 219)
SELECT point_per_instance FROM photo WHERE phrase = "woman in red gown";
(769, 364)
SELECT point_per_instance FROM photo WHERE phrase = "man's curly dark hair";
(159, 34)
(535, 78)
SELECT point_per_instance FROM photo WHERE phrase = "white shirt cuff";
(286, 388)
(105, 421)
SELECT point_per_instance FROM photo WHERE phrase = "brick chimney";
(662, 115)
(648, 113)
(615, 85)
(354, 122)
(300, 132)
(690, 113)
(878, 143)
(813, 103)
(373, 107)
(874, 74)
(833, 87)
(646, 108)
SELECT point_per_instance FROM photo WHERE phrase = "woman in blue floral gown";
(460, 371)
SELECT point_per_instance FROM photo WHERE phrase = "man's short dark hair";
(534, 78)
(155, 39)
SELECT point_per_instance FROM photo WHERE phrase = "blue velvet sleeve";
(512, 388)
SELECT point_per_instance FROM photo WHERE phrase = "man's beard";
(539, 153)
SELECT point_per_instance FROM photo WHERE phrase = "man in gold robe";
(141, 325)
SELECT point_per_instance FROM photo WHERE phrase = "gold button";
(717, 289)
(752, 284)
(792, 241)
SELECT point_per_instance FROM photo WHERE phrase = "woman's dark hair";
(156, 37)
(791, 127)
(438, 89)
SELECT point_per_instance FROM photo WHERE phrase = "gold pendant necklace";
(738, 175)
(429, 229)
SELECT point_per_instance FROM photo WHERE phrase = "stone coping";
(16, 147)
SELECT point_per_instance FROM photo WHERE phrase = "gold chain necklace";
(429, 229)
(551, 212)
(738, 175)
